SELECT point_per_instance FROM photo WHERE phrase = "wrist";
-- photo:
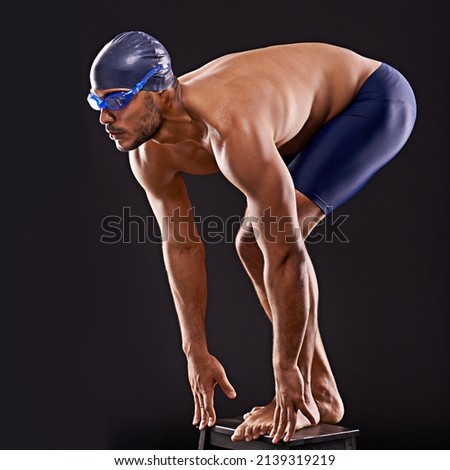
(195, 351)
(282, 367)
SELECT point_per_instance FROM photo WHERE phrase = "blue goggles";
(119, 99)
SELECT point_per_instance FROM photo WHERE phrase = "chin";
(124, 147)
(121, 148)
(127, 145)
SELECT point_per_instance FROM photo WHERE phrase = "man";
(299, 129)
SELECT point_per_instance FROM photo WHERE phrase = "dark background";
(92, 356)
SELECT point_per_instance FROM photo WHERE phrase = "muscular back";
(264, 101)
(290, 90)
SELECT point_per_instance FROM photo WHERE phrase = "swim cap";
(126, 59)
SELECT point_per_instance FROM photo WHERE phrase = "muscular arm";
(250, 160)
(184, 258)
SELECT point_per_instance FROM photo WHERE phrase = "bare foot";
(258, 422)
(329, 402)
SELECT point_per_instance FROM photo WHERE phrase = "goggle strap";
(152, 72)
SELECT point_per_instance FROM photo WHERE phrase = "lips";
(114, 135)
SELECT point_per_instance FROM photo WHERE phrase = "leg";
(317, 372)
(332, 167)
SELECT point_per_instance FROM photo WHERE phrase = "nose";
(106, 117)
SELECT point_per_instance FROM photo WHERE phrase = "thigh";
(348, 150)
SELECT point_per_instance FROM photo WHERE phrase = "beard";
(148, 126)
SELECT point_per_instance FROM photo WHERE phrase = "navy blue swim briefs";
(349, 149)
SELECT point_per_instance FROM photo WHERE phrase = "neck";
(178, 124)
(170, 102)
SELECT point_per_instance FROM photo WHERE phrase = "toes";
(238, 434)
(264, 429)
(256, 432)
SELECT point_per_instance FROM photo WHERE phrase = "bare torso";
(288, 91)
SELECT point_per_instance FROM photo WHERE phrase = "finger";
(290, 428)
(280, 430)
(197, 415)
(226, 386)
(248, 433)
(203, 414)
(276, 418)
(209, 407)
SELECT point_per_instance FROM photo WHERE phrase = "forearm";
(287, 287)
(185, 264)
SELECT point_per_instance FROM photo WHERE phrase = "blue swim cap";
(126, 59)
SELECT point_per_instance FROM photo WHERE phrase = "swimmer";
(299, 129)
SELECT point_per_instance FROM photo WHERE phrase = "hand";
(290, 400)
(204, 373)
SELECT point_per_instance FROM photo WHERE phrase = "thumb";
(226, 386)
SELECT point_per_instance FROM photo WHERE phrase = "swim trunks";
(350, 148)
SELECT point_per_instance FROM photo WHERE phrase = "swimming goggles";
(118, 100)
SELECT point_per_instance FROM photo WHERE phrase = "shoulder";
(231, 105)
(152, 164)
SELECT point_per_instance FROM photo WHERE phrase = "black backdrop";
(92, 356)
